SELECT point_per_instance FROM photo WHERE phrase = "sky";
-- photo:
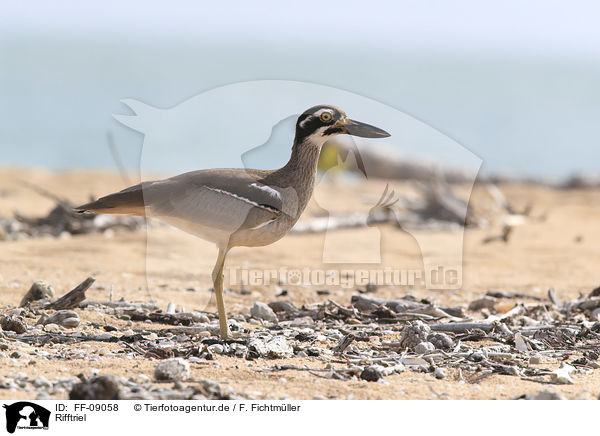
(515, 82)
(543, 27)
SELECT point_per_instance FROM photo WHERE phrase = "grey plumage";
(239, 207)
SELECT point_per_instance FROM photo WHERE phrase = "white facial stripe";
(304, 121)
(317, 136)
(319, 112)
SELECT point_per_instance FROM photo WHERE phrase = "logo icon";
(26, 415)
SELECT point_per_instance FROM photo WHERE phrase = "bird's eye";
(326, 117)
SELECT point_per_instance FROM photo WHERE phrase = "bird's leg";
(217, 276)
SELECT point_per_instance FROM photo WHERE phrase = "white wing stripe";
(244, 199)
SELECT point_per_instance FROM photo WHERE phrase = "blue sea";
(521, 115)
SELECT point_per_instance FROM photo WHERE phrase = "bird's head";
(320, 123)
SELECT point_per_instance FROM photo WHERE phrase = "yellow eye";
(326, 117)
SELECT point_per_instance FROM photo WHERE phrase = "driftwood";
(462, 327)
(387, 163)
(62, 220)
(437, 208)
(73, 298)
(403, 306)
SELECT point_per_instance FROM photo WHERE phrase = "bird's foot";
(233, 336)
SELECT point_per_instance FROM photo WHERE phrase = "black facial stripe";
(307, 126)
(308, 123)
(333, 130)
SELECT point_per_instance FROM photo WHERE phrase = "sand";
(559, 250)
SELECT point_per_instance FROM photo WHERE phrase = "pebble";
(439, 373)
(13, 324)
(562, 375)
(276, 347)
(263, 312)
(60, 316)
(546, 394)
(216, 348)
(441, 341)
(372, 373)
(477, 356)
(414, 334)
(172, 369)
(536, 359)
(104, 387)
(486, 302)
(38, 291)
(51, 328)
(42, 382)
(200, 317)
(279, 348)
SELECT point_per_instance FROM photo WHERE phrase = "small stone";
(545, 394)
(200, 317)
(51, 328)
(441, 341)
(61, 316)
(424, 347)
(70, 323)
(279, 348)
(15, 355)
(477, 356)
(216, 348)
(13, 324)
(371, 288)
(263, 311)
(172, 369)
(414, 334)
(536, 359)
(38, 291)
(486, 302)
(104, 387)
(562, 375)
(42, 382)
(439, 373)
(372, 373)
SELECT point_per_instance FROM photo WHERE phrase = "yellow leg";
(217, 276)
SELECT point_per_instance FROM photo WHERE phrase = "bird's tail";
(128, 201)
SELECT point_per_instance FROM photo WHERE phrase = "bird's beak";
(356, 128)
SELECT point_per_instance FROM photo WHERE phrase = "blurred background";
(514, 82)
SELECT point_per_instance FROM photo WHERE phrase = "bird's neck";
(303, 161)
(300, 171)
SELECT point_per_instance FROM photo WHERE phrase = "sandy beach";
(555, 249)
